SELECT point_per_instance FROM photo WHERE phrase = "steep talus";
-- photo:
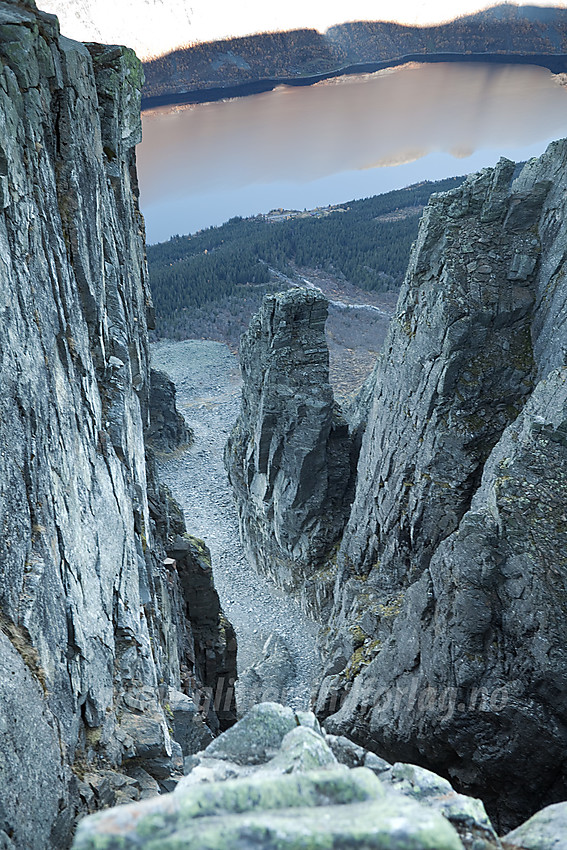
(93, 621)
(445, 642)
(289, 456)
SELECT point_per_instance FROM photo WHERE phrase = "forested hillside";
(296, 55)
(222, 273)
(502, 29)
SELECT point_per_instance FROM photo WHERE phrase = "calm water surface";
(347, 138)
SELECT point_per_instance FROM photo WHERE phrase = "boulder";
(256, 738)
(292, 794)
(546, 830)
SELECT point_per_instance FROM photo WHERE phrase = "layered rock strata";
(290, 457)
(446, 641)
(94, 628)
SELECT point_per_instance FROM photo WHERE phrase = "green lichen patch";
(361, 657)
(200, 549)
(391, 608)
(358, 635)
(329, 810)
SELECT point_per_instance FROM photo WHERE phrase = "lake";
(346, 138)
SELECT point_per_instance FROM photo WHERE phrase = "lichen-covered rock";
(302, 749)
(349, 753)
(92, 615)
(257, 737)
(270, 737)
(289, 455)
(467, 814)
(294, 795)
(546, 830)
(373, 824)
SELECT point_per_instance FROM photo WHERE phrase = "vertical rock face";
(214, 642)
(289, 456)
(452, 563)
(167, 430)
(456, 369)
(446, 641)
(93, 623)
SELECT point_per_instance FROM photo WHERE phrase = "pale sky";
(152, 27)
(252, 15)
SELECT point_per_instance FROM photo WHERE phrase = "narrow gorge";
(209, 386)
(422, 526)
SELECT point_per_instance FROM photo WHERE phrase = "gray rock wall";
(447, 642)
(167, 430)
(93, 623)
(289, 457)
(456, 368)
(444, 603)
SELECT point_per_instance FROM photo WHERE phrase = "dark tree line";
(368, 244)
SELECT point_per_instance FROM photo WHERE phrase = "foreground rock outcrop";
(275, 780)
(96, 637)
(446, 642)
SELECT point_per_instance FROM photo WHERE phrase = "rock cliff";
(289, 458)
(96, 634)
(445, 645)
(167, 430)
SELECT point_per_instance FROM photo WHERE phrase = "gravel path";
(207, 378)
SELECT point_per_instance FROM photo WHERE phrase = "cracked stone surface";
(93, 619)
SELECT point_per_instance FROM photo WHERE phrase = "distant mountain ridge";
(217, 69)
